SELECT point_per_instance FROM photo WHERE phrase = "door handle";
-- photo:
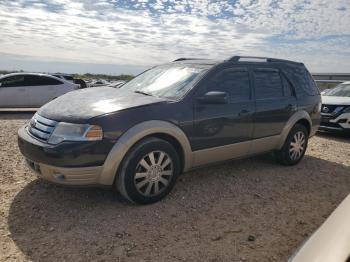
(243, 113)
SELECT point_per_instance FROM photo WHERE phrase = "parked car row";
(35, 90)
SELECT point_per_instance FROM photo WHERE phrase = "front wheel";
(149, 171)
(294, 147)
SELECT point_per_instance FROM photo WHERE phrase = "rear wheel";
(294, 147)
(149, 171)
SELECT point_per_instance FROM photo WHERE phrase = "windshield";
(340, 90)
(167, 81)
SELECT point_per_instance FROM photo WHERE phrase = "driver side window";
(235, 82)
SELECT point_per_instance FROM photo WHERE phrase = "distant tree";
(103, 76)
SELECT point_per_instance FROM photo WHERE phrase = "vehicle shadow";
(209, 215)
(340, 137)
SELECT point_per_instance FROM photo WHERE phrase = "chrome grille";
(41, 127)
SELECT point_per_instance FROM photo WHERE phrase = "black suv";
(173, 118)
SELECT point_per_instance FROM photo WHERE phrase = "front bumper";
(69, 163)
(339, 123)
(67, 176)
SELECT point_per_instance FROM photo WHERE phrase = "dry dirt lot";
(209, 216)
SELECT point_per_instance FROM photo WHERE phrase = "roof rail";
(184, 59)
(264, 59)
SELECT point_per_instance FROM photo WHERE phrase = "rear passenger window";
(288, 89)
(235, 83)
(33, 80)
(268, 84)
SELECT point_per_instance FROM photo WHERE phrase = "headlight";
(75, 132)
(347, 110)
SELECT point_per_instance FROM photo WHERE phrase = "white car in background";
(31, 89)
(335, 109)
(331, 241)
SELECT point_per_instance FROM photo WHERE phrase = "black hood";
(81, 105)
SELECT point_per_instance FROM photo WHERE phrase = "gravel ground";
(246, 210)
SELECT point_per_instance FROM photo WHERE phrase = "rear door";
(12, 92)
(275, 102)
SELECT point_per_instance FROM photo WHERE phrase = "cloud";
(143, 33)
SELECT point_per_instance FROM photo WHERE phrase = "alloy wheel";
(297, 146)
(153, 173)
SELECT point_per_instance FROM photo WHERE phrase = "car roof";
(25, 73)
(236, 59)
(197, 61)
(346, 83)
(62, 75)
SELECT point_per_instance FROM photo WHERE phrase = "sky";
(120, 36)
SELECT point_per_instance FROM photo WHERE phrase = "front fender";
(135, 134)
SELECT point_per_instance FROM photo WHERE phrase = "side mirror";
(214, 97)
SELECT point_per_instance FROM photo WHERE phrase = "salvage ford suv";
(170, 119)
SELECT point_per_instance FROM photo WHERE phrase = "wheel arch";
(305, 123)
(155, 128)
(301, 117)
(174, 142)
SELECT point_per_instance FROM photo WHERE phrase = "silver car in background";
(31, 89)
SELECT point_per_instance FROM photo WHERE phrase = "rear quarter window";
(70, 78)
(50, 81)
(301, 80)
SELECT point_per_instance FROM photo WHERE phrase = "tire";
(294, 147)
(148, 171)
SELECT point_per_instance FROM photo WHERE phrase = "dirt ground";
(245, 210)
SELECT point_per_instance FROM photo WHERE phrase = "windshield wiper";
(143, 93)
